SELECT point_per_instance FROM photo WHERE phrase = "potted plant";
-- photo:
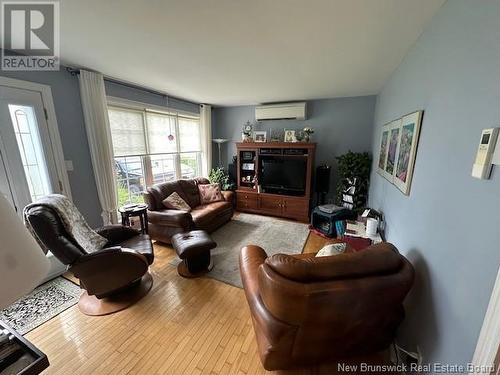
(307, 133)
(219, 176)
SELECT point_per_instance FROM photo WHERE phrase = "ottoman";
(194, 249)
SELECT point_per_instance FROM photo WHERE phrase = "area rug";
(42, 304)
(273, 235)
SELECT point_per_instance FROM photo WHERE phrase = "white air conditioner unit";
(282, 111)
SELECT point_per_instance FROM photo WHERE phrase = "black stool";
(194, 250)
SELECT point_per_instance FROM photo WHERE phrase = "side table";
(140, 210)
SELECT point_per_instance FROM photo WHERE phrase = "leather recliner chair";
(113, 278)
(307, 310)
(163, 223)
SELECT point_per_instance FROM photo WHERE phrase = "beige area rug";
(273, 235)
(42, 304)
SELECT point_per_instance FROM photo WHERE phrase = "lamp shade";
(220, 140)
(22, 262)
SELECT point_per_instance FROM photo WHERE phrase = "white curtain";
(206, 138)
(95, 111)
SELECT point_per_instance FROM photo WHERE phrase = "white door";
(25, 146)
(5, 187)
(27, 161)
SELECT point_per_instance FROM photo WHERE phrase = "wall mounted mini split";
(484, 157)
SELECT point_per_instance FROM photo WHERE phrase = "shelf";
(254, 191)
(258, 145)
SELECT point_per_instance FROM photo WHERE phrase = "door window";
(30, 148)
(27, 147)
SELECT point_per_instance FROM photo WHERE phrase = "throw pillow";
(210, 193)
(332, 249)
(174, 201)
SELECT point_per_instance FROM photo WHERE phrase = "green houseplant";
(219, 176)
(354, 166)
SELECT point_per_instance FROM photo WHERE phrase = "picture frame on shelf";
(407, 151)
(289, 136)
(276, 135)
(260, 136)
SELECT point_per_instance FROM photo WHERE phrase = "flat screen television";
(283, 175)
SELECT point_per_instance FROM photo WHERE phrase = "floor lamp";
(219, 142)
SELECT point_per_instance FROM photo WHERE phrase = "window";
(152, 147)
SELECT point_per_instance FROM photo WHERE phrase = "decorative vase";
(307, 137)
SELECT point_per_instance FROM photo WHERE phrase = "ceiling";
(233, 52)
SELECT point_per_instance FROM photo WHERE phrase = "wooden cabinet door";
(246, 201)
(296, 208)
(271, 205)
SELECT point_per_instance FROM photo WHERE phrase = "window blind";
(127, 132)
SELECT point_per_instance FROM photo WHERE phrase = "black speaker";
(323, 179)
(232, 171)
(322, 185)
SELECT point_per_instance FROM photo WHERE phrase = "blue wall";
(340, 125)
(66, 95)
(448, 224)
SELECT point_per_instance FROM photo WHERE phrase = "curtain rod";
(76, 71)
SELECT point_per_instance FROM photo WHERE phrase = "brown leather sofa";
(308, 310)
(164, 223)
(113, 278)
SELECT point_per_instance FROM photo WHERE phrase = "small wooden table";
(315, 242)
(140, 211)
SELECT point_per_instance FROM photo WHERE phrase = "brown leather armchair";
(163, 223)
(308, 310)
(113, 278)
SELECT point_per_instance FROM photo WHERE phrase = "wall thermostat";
(483, 163)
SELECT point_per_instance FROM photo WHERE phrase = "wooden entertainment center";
(290, 202)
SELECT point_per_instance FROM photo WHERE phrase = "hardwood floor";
(184, 326)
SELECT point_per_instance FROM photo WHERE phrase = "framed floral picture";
(407, 151)
(394, 131)
(382, 156)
